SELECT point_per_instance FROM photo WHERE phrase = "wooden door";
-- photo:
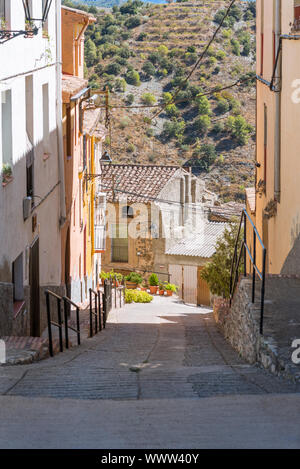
(203, 293)
(175, 272)
(190, 284)
(34, 280)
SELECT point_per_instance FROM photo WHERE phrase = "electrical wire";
(202, 55)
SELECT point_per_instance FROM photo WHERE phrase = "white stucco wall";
(20, 57)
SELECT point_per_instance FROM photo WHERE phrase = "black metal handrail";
(241, 249)
(98, 313)
(67, 302)
(61, 323)
(51, 323)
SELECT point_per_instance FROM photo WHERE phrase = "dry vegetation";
(215, 136)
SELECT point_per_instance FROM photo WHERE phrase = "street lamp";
(46, 4)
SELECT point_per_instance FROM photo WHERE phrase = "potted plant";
(103, 276)
(161, 289)
(6, 173)
(153, 282)
(144, 286)
(29, 27)
(116, 277)
(133, 280)
(171, 288)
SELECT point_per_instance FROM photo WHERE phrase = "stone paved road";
(152, 360)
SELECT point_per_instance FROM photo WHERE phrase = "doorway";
(34, 281)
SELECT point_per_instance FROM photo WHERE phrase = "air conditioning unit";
(27, 204)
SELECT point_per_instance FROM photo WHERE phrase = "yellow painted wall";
(281, 232)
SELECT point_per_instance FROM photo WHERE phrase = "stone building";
(150, 211)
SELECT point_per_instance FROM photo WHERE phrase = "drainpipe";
(277, 145)
(60, 152)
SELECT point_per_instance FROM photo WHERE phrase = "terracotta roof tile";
(250, 197)
(140, 183)
(71, 85)
(91, 119)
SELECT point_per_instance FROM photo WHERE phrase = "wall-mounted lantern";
(46, 4)
(31, 30)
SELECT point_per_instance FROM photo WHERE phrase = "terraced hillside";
(144, 53)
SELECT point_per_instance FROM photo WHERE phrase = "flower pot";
(153, 289)
(144, 289)
(169, 293)
(131, 285)
(161, 292)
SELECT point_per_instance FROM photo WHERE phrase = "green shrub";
(137, 296)
(120, 85)
(222, 106)
(202, 124)
(171, 287)
(149, 69)
(203, 105)
(133, 22)
(174, 129)
(153, 280)
(133, 78)
(239, 128)
(130, 99)
(113, 69)
(134, 277)
(148, 99)
(217, 272)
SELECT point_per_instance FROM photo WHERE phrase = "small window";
(17, 278)
(127, 211)
(45, 112)
(6, 108)
(119, 243)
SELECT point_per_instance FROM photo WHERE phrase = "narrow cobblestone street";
(160, 375)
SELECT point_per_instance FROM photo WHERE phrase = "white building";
(32, 197)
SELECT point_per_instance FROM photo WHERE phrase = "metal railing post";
(78, 325)
(66, 323)
(61, 347)
(99, 310)
(254, 264)
(91, 315)
(49, 324)
(262, 302)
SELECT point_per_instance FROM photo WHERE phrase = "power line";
(200, 58)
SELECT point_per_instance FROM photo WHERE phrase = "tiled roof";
(78, 12)
(250, 197)
(203, 245)
(140, 183)
(225, 212)
(72, 85)
(91, 124)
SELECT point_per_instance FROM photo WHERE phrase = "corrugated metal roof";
(203, 245)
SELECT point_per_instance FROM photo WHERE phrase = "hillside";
(144, 52)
